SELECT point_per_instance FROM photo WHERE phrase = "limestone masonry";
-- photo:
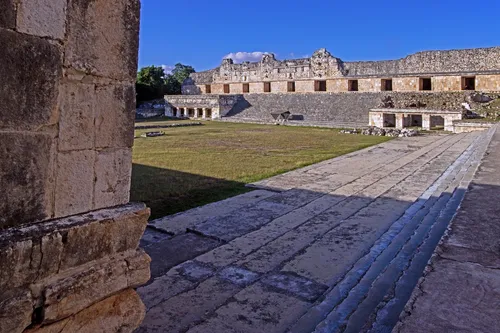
(324, 88)
(69, 239)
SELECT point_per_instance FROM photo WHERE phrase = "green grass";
(192, 166)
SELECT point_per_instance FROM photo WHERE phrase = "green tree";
(181, 72)
(151, 76)
(153, 83)
(172, 86)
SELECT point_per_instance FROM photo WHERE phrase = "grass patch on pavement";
(192, 166)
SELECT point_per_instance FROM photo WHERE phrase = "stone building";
(324, 88)
(69, 238)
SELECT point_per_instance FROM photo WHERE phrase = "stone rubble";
(152, 134)
(391, 132)
(170, 125)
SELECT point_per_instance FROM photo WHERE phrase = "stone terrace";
(320, 249)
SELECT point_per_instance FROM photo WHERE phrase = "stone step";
(407, 243)
(412, 216)
(324, 219)
(389, 309)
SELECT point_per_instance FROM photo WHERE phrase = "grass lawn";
(192, 166)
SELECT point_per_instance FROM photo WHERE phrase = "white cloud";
(239, 57)
(167, 69)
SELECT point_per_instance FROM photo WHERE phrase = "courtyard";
(336, 246)
(192, 166)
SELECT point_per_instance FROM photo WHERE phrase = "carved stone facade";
(200, 106)
(69, 239)
(324, 88)
(446, 69)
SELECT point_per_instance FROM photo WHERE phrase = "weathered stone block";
(25, 177)
(74, 182)
(18, 264)
(76, 126)
(72, 294)
(108, 234)
(113, 170)
(16, 308)
(45, 18)
(103, 37)
(30, 72)
(121, 313)
(8, 14)
(115, 113)
(31, 253)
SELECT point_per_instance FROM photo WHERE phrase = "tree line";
(153, 82)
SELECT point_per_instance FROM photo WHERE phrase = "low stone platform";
(320, 249)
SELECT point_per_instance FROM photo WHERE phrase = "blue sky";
(201, 32)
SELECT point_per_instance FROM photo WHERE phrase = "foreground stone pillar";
(69, 239)
(204, 115)
(178, 113)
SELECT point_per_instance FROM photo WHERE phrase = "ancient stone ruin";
(69, 256)
(325, 89)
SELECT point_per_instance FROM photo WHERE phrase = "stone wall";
(342, 108)
(66, 132)
(440, 83)
(322, 65)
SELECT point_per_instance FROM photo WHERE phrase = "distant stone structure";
(69, 255)
(325, 88)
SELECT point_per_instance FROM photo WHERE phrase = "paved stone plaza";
(334, 247)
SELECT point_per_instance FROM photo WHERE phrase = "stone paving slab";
(178, 223)
(261, 266)
(256, 309)
(456, 297)
(180, 312)
(174, 251)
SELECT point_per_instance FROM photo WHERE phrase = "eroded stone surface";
(76, 126)
(74, 182)
(180, 312)
(16, 307)
(110, 231)
(45, 18)
(239, 276)
(255, 310)
(28, 106)
(25, 178)
(103, 38)
(115, 111)
(457, 297)
(120, 313)
(8, 14)
(295, 285)
(174, 251)
(113, 169)
(74, 293)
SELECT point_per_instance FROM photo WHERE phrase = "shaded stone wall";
(342, 108)
(66, 132)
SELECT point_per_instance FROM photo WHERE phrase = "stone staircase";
(371, 296)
